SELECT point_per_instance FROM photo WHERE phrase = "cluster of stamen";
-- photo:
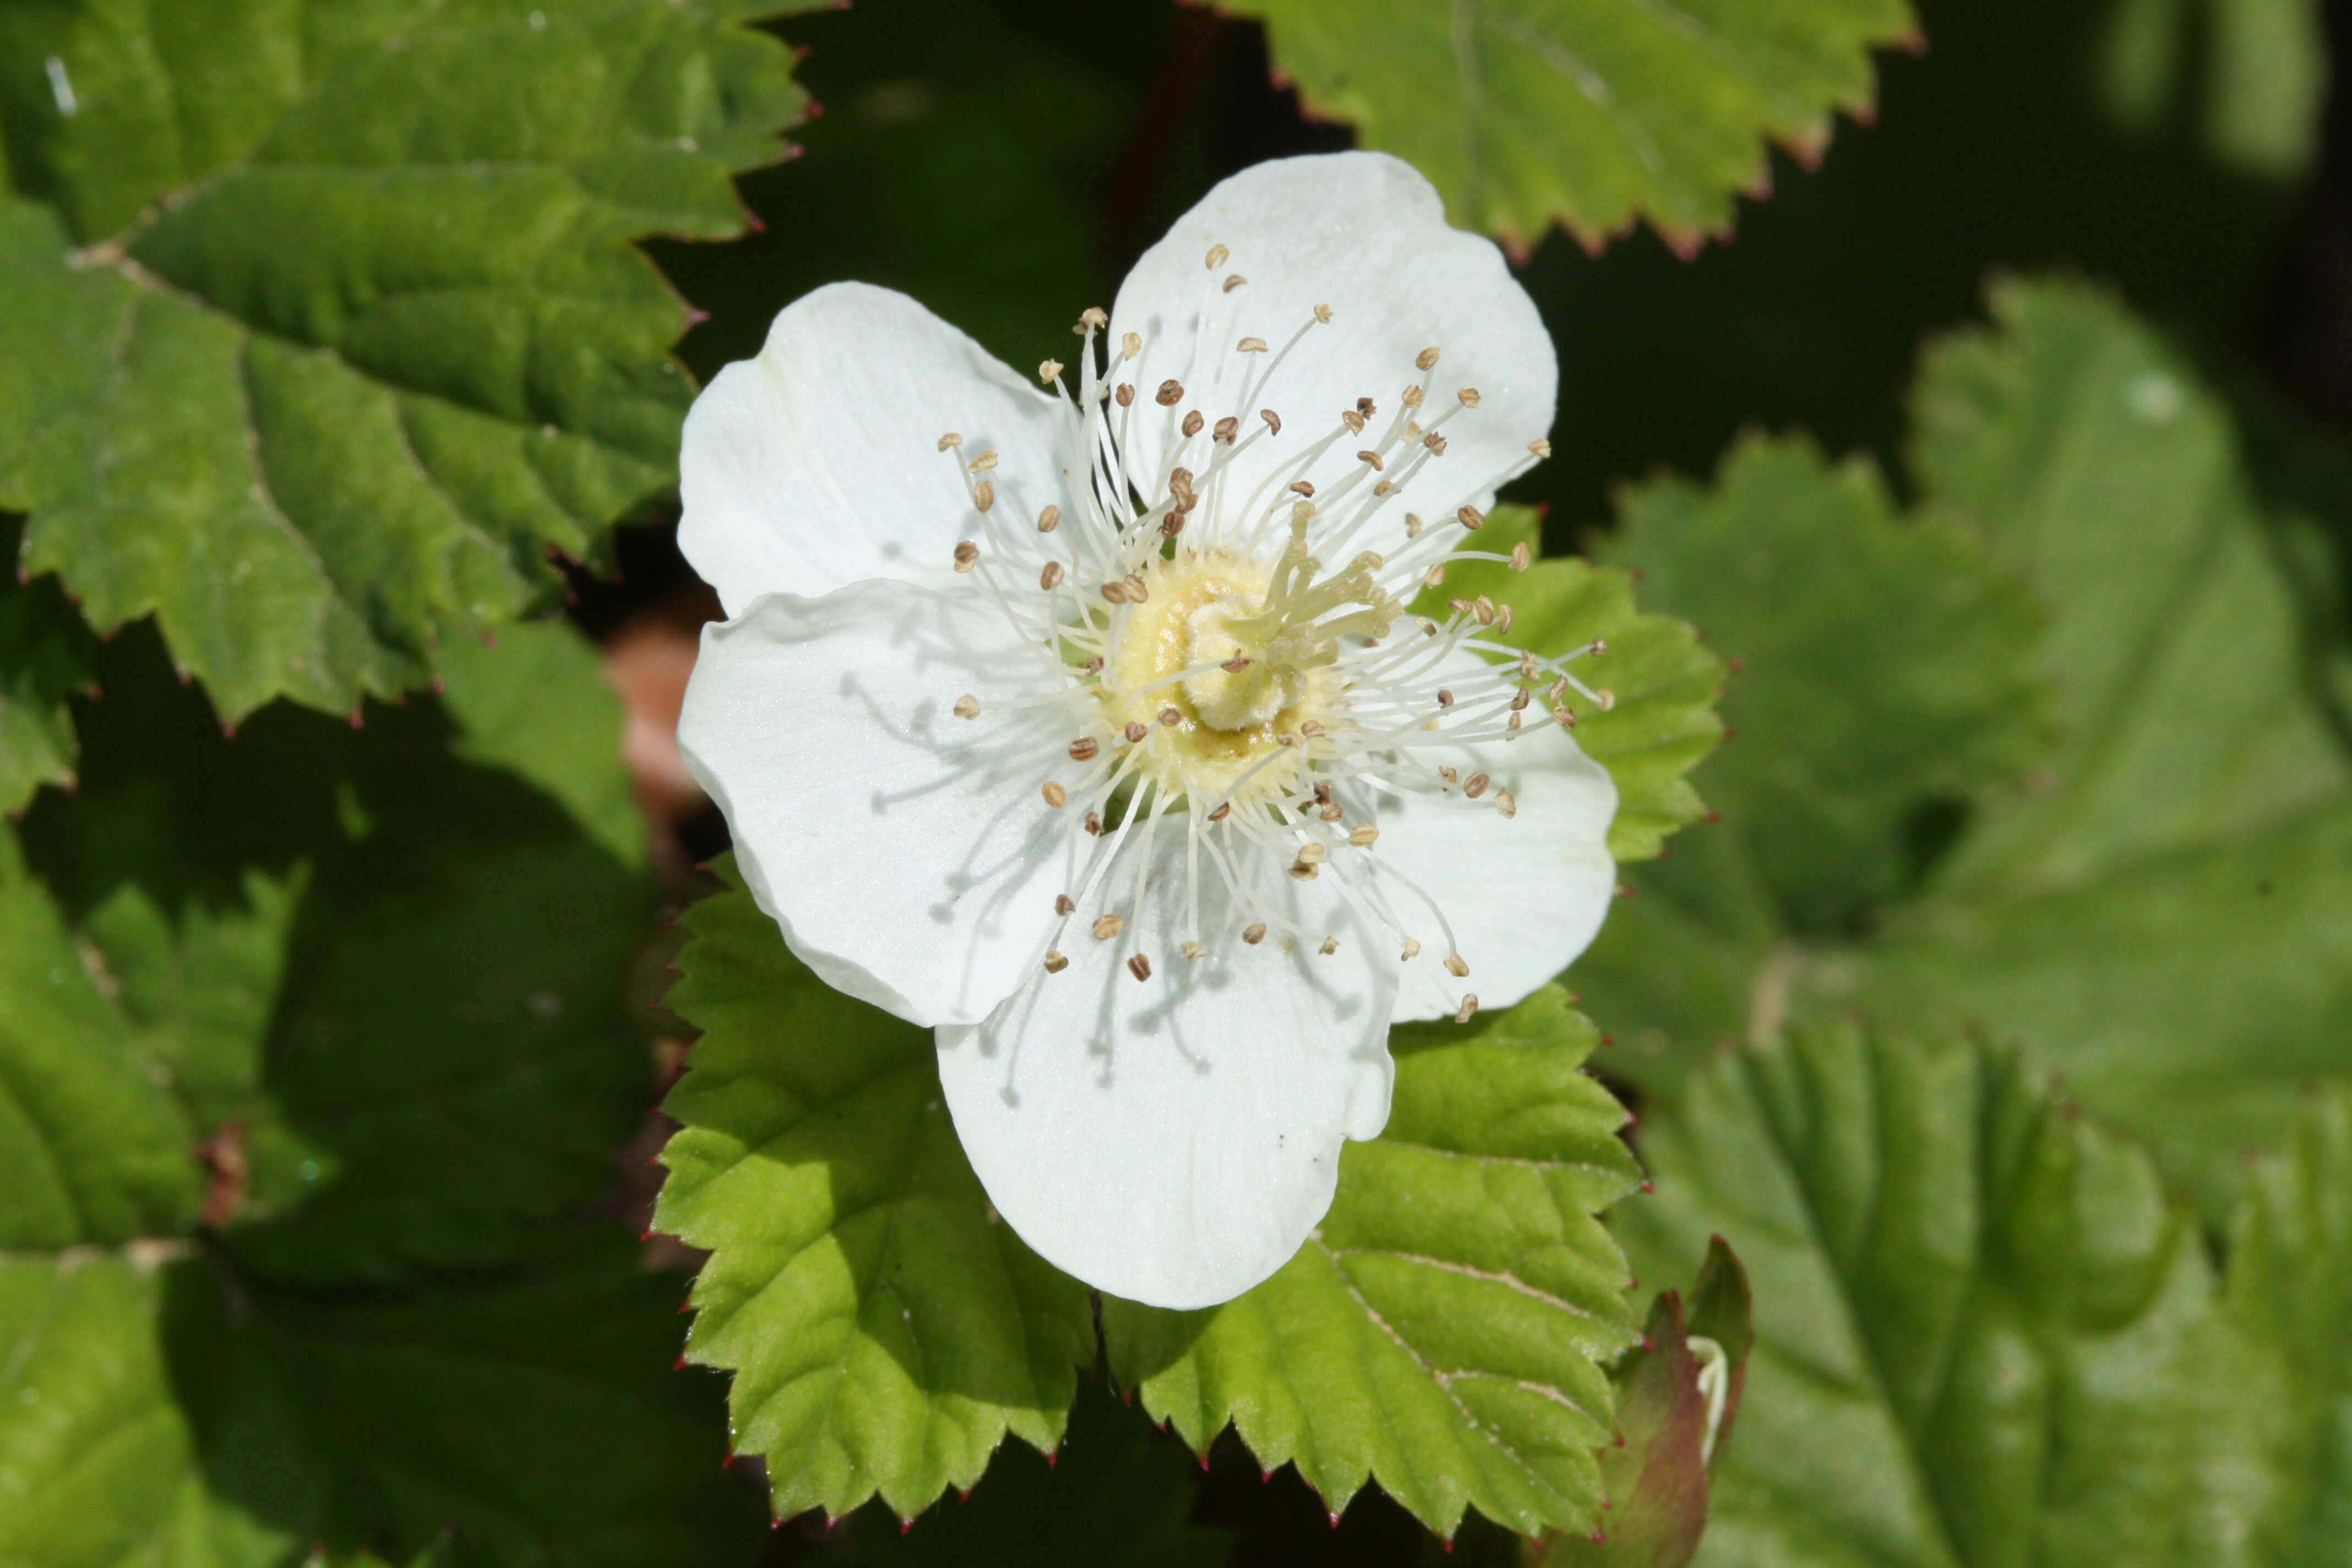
(1224, 682)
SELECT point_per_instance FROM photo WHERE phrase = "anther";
(1507, 804)
(1363, 836)
(1047, 370)
(1108, 926)
(1223, 811)
(1194, 950)
(1173, 523)
(1322, 794)
(1227, 429)
(1286, 738)
(1323, 314)
(1469, 396)
(1352, 420)
(1085, 749)
(1435, 443)
(1311, 728)
(1449, 775)
(950, 440)
(1608, 698)
(1135, 731)
(967, 706)
(1065, 905)
(1136, 590)
(1312, 853)
(1600, 647)
(1514, 723)
(1234, 280)
(1236, 664)
(1056, 795)
(1520, 698)
(1170, 718)
(1456, 965)
(1305, 870)
(1051, 577)
(1330, 811)
(1373, 458)
(1140, 966)
(1115, 592)
(1413, 525)
(1094, 823)
(1425, 360)
(1366, 407)
(1054, 962)
(1540, 447)
(1411, 397)
(1384, 487)
(1130, 345)
(983, 495)
(1468, 1009)
(1217, 254)
(1126, 394)
(1522, 557)
(1192, 423)
(966, 556)
(1049, 520)
(1502, 617)
(1471, 517)
(1444, 697)
(1171, 393)
(1474, 785)
(1253, 933)
(1093, 666)
(1273, 421)
(981, 464)
(1250, 346)
(1435, 576)
(1301, 486)
(1565, 718)
(1092, 316)
(1483, 609)
(1331, 945)
(1412, 951)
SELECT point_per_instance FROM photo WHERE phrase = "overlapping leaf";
(886, 1329)
(1979, 1324)
(375, 984)
(2157, 903)
(320, 326)
(174, 1413)
(45, 659)
(1592, 113)
(1662, 686)
(1445, 1330)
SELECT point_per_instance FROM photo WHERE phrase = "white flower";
(1091, 727)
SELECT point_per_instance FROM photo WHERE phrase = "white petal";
(1173, 1142)
(907, 853)
(1365, 235)
(817, 463)
(1524, 894)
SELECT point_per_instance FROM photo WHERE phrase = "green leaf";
(2155, 906)
(2256, 72)
(885, 1329)
(321, 328)
(1883, 664)
(1443, 1330)
(184, 1414)
(2083, 451)
(46, 655)
(2278, 1475)
(376, 986)
(1117, 1492)
(1585, 113)
(1662, 685)
(533, 700)
(1977, 1320)
(1673, 1425)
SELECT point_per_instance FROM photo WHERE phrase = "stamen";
(1468, 1009)
(1107, 926)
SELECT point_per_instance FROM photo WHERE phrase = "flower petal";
(907, 852)
(817, 463)
(1524, 894)
(1366, 236)
(1173, 1142)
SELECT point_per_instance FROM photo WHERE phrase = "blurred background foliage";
(2037, 594)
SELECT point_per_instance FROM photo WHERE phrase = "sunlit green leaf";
(321, 325)
(1592, 113)
(885, 1329)
(1445, 1330)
